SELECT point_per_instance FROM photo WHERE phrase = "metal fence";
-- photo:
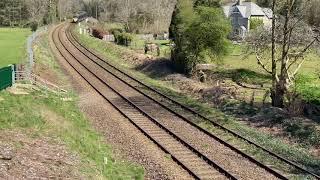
(6, 77)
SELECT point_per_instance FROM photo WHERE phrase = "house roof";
(247, 9)
(242, 10)
(268, 12)
(252, 9)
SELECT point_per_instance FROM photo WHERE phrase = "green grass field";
(13, 45)
(236, 60)
(246, 69)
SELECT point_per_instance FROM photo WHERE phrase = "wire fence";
(24, 77)
(24, 72)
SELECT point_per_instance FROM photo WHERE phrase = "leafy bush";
(255, 23)
(200, 35)
(123, 38)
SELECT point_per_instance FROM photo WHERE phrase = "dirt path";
(125, 139)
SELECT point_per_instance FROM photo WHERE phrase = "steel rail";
(200, 155)
(270, 170)
(289, 162)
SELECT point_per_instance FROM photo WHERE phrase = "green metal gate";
(6, 77)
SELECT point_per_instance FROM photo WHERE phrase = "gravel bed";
(233, 162)
(127, 142)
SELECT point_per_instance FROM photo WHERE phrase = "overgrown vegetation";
(138, 22)
(23, 13)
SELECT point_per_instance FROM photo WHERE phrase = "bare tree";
(160, 11)
(67, 8)
(37, 9)
(288, 41)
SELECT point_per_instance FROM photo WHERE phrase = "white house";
(241, 13)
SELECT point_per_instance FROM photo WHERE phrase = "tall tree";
(12, 13)
(290, 38)
(37, 10)
(199, 33)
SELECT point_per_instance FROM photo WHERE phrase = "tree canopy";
(199, 32)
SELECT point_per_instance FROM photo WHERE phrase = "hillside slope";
(160, 12)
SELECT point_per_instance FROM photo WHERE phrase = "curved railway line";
(201, 153)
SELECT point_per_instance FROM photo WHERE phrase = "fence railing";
(25, 77)
(17, 74)
(37, 80)
(6, 77)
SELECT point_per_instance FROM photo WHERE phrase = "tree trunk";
(278, 95)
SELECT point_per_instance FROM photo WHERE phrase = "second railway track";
(203, 155)
(192, 161)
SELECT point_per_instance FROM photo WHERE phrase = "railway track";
(158, 122)
(187, 112)
(185, 155)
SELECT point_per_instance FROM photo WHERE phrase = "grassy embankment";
(294, 152)
(12, 45)
(46, 114)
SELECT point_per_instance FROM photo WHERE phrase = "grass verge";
(47, 114)
(58, 116)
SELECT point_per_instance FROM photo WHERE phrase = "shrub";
(123, 38)
(98, 33)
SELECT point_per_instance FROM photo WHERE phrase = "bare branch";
(261, 63)
(299, 54)
(298, 68)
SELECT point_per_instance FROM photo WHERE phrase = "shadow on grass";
(156, 69)
(241, 76)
